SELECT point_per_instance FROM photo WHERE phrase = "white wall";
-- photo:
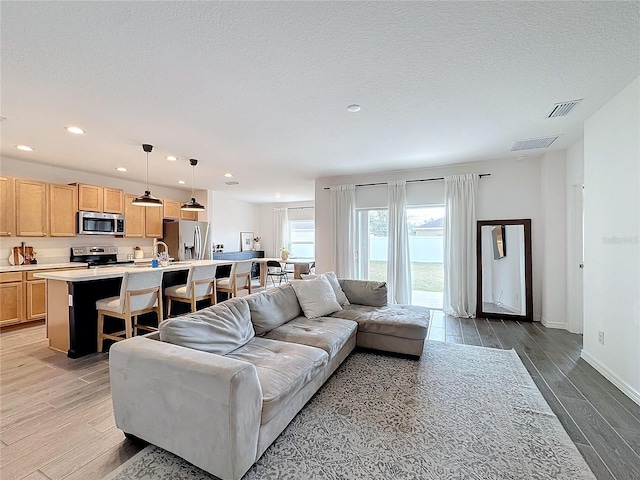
(230, 217)
(265, 226)
(512, 191)
(51, 250)
(612, 231)
(554, 278)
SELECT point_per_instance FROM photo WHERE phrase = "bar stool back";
(201, 284)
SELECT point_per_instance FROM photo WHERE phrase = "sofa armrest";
(203, 407)
(365, 292)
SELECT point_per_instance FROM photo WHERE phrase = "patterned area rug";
(459, 413)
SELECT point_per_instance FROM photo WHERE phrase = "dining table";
(300, 266)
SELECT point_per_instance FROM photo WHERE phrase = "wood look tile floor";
(56, 420)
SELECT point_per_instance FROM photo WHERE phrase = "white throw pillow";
(335, 284)
(316, 297)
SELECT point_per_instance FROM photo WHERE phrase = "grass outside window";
(426, 277)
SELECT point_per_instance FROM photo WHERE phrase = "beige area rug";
(459, 412)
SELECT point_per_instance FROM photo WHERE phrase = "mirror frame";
(526, 222)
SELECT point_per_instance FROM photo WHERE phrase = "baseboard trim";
(548, 324)
(627, 389)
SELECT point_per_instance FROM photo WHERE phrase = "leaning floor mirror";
(504, 269)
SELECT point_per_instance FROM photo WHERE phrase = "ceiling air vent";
(232, 182)
(541, 142)
(562, 109)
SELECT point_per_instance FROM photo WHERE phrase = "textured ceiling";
(260, 89)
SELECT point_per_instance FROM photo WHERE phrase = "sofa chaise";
(216, 387)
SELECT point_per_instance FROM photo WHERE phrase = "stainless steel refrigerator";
(186, 239)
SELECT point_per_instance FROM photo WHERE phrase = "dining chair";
(201, 284)
(274, 269)
(139, 294)
(239, 279)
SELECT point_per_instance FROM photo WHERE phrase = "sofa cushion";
(329, 334)
(219, 329)
(283, 369)
(272, 308)
(335, 284)
(405, 321)
(316, 297)
(365, 292)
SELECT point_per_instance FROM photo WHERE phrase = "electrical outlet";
(601, 337)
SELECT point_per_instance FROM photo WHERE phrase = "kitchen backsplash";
(56, 250)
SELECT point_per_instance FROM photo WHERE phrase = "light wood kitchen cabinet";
(134, 218)
(172, 208)
(90, 197)
(11, 298)
(7, 207)
(113, 200)
(31, 208)
(189, 215)
(63, 204)
(36, 299)
(153, 222)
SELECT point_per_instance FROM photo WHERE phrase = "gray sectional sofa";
(218, 386)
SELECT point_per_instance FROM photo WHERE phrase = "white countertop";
(86, 275)
(40, 266)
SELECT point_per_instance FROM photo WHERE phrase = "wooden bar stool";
(239, 279)
(139, 294)
(201, 284)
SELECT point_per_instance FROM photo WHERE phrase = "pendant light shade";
(192, 205)
(147, 200)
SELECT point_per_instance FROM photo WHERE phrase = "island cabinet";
(63, 204)
(7, 207)
(31, 208)
(141, 222)
(93, 198)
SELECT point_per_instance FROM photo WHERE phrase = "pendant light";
(147, 200)
(192, 205)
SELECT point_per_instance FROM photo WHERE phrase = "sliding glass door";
(426, 227)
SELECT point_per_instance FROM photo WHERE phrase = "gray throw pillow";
(316, 297)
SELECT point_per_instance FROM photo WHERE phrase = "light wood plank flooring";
(57, 423)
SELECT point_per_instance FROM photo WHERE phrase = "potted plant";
(284, 253)
(256, 243)
(163, 258)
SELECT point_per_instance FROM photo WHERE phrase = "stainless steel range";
(98, 257)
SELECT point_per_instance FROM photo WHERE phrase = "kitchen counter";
(40, 266)
(92, 274)
(72, 318)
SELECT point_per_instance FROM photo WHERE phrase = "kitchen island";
(72, 318)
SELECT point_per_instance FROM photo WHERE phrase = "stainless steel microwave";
(93, 223)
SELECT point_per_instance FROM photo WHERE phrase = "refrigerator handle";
(197, 242)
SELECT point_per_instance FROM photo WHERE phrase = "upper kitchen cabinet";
(189, 215)
(113, 200)
(93, 198)
(90, 197)
(171, 208)
(8, 207)
(153, 222)
(63, 204)
(31, 208)
(133, 218)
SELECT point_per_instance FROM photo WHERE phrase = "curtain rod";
(408, 181)
(297, 208)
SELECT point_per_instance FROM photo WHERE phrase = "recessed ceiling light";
(121, 169)
(354, 108)
(181, 182)
(228, 175)
(76, 130)
(171, 158)
(25, 148)
(277, 194)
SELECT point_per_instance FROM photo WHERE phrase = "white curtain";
(398, 260)
(460, 192)
(280, 230)
(343, 202)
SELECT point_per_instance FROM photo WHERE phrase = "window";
(372, 228)
(302, 237)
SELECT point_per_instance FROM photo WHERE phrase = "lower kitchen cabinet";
(36, 299)
(11, 298)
